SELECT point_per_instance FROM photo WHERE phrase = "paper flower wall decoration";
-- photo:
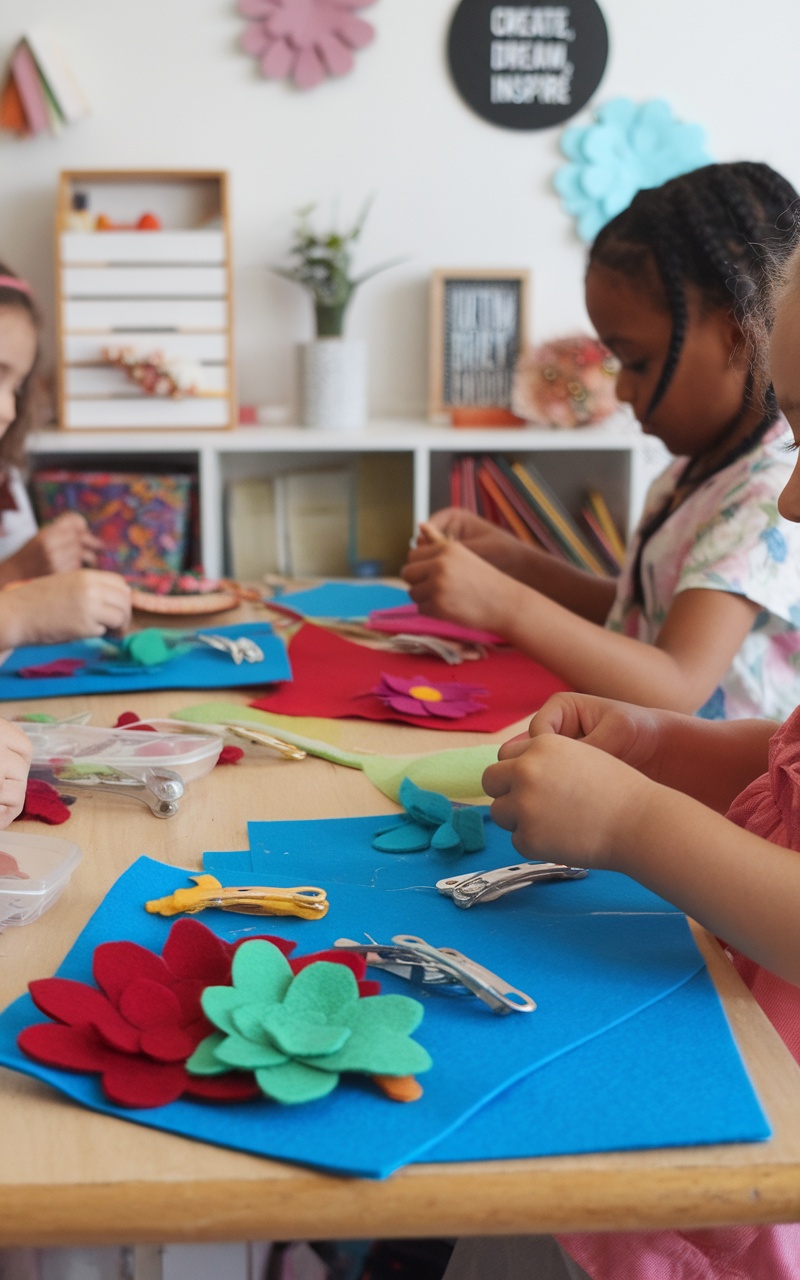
(144, 1019)
(430, 821)
(629, 147)
(421, 697)
(299, 1033)
(568, 382)
(306, 40)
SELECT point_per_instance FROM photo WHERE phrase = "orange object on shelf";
(484, 416)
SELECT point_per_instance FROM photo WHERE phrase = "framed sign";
(478, 326)
(527, 66)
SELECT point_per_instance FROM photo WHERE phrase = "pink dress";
(770, 807)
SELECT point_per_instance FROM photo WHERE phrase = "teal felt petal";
(408, 837)
(304, 1037)
(204, 1060)
(219, 1005)
(261, 972)
(245, 1055)
(471, 829)
(429, 807)
(248, 1021)
(380, 1042)
(323, 988)
(567, 182)
(599, 179)
(295, 1082)
(571, 142)
(400, 1014)
(446, 839)
(619, 113)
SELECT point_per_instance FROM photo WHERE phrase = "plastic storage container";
(34, 870)
(131, 751)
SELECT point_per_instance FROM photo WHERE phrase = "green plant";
(322, 263)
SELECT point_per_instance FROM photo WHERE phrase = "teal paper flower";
(628, 148)
(299, 1032)
(430, 821)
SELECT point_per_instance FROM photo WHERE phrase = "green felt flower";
(299, 1032)
(147, 648)
(430, 821)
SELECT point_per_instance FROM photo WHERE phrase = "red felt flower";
(43, 803)
(137, 1028)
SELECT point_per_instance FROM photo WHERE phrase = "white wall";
(170, 87)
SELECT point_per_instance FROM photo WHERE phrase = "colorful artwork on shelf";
(629, 146)
(305, 40)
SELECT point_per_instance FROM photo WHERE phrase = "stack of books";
(516, 497)
(39, 93)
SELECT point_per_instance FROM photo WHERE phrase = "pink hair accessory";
(13, 282)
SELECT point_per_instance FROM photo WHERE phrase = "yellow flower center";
(423, 693)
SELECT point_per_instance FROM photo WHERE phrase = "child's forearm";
(713, 761)
(741, 887)
(584, 594)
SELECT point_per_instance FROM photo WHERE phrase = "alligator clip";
(304, 901)
(415, 960)
(160, 789)
(485, 886)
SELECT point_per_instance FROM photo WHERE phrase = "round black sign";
(527, 66)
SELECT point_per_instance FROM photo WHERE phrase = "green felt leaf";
(204, 1060)
(400, 1014)
(261, 972)
(304, 1037)
(446, 839)
(421, 805)
(406, 837)
(471, 829)
(248, 1021)
(295, 1082)
(219, 1004)
(147, 648)
(456, 773)
(323, 988)
(380, 1042)
(245, 1055)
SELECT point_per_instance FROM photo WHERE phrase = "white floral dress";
(728, 536)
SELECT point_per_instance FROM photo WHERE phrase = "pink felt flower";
(422, 697)
(143, 1020)
(304, 39)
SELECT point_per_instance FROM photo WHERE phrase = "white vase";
(333, 384)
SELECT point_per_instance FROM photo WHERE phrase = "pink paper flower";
(304, 39)
(422, 697)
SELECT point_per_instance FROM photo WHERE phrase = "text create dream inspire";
(529, 55)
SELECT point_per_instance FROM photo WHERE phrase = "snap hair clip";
(484, 886)
(305, 901)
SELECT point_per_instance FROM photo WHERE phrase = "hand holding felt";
(64, 606)
(334, 677)
(448, 580)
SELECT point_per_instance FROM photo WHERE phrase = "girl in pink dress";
(708, 816)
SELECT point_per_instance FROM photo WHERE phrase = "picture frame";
(478, 326)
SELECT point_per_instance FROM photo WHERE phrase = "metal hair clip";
(485, 886)
(159, 789)
(305, 901)
(417, 961)
(242, 649)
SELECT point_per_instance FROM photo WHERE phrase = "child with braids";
(53, 598)
(604, 784)
(706, 613)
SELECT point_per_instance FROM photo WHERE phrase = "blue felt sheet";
(352, 601)
(592, 968)
(200, 668)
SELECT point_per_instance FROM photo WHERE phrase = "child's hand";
(60, 547)
(495, 545)
(563, 800)
(449, 581)
(64, 606)
(15, 758)
(632, 734)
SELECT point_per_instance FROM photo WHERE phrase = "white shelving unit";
(616, 459)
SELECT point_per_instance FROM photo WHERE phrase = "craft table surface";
(70, 1176)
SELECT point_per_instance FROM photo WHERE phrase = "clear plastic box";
(41, 871)
(132, 751)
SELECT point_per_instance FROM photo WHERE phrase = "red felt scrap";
(230, 755)
(333, 677)
(43, 803)
(130, 720)
(58, 667)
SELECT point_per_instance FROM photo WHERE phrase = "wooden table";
(70, 1176)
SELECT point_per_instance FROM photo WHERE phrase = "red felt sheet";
(333, 678)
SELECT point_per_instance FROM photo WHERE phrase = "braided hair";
(718, 231)
(12, 444)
